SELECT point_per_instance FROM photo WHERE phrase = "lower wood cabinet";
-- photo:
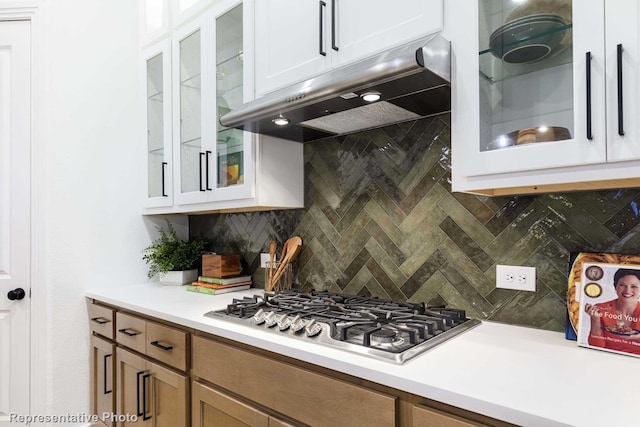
(102, 378)
(300, 394)
(158, 396)
(156, 374)
(214, 408)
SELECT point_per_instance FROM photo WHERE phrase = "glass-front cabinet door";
(193, 179)
(233, 146)
(157, 87)
(530, 80)
(214, 162)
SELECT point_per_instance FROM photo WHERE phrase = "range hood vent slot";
(413, 81)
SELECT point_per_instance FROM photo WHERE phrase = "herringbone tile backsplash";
(380, 219)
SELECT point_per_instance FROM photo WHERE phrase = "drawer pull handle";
(206, 172)
(100, 320)
(138, 411)
(588, 72)
(321, 49)
(144, 397)
(334, 46)
(164, 193)
(106, 356)
(200, 166)
(160, 346)
(620, 112)
(129, 332)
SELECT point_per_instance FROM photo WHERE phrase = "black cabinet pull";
(129, 332)
(322, 6)
(620, 112)
(200, 166)
(100, 320)
(138, 411)
(333, 25)
(160, 346)
(145, 377)
(207, 169)
(164, 193)
(589, 132)
(106, 356)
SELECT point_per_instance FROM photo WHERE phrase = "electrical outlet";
(264, 259)
(516, 277)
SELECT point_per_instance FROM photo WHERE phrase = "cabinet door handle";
(138, 411)
(206, 173)
(620, 112)
(589, 132)
(129, 332)
(321, 48)
(200, 174)
(106, 356)
(145, 377)
(333, 25)
(162, 347)
(164, 193)
(100, 320)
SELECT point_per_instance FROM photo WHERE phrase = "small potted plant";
(174, 260)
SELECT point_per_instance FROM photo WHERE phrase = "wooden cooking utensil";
(272, 253)
(291, 249)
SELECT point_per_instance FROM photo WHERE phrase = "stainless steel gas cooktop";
(382, 329)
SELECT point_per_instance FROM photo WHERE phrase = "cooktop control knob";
(313, 328)
(284, 322)
(297, 324)
(259, 317)
(270, 319)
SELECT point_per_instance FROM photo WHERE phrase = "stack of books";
(216, 285)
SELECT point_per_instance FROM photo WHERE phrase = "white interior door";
(15, 141)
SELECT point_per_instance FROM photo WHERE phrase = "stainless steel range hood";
(413, 81)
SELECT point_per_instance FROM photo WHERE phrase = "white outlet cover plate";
(264, 259)
(524, 278)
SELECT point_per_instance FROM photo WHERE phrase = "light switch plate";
(516, 277)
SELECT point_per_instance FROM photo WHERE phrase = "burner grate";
(384, 329)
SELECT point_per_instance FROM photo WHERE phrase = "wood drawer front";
(131, 331)
(167, 344)
(213, 408)
(303, 395)
(428, 417)
(101, 320)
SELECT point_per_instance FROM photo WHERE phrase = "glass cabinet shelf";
(237, 58)
(192, 82)
(157, 151)
(195, 142)
(230, 137)
(496, 69)
(158, 97)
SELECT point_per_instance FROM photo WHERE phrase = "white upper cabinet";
(193, 136)
(156, 84)
(536, 98)
(297, 39)
(204, 166)
(622, 46)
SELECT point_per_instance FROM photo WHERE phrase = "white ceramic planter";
(178, 278)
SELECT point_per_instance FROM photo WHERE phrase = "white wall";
(94, 182)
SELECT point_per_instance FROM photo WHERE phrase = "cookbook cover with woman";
(609, 308)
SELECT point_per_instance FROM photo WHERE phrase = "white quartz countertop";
(525, 376)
